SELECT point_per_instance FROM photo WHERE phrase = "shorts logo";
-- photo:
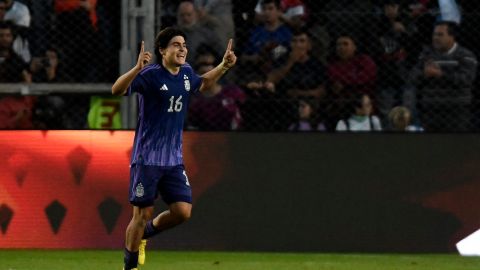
(139, 190)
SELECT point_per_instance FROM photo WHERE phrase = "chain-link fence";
(336, 65)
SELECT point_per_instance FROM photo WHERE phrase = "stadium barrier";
(252, 191)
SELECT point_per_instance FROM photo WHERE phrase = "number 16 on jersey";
(175, 105)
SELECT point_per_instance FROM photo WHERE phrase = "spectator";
(221, 12)
(76, 38)
(3, 10)
(221, 110)
(400, 120)
(19, 15)
(267, 43)
(44, 69)
(444, 77)
(298, 73)
(17, 12)
(393, 36)
(270, 40)
(361, 119)
(294, 13)
(349, 73)
(196, 32)
(12, 67)
(307, 117)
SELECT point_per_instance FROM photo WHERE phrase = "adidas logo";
(164, 88)
(185, 77)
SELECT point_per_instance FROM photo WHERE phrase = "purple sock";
(150, 230)
(130, 259)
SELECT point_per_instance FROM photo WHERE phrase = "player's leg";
(176, 192)
(134, 235)
(142, 194)
(177, 213)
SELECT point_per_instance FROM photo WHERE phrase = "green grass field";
(92, 260)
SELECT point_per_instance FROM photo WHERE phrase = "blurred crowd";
(304, 65)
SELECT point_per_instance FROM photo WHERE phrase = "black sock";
(130, 259)
(150, 230)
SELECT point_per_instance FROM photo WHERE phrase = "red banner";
(69, 189)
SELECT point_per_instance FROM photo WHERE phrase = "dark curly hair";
(164, 37)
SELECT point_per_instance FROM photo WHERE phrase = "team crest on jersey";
(139, 190)
(187, 83)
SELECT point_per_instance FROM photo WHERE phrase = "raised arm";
(120, 86)
(211, 77)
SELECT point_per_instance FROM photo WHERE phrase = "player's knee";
(183, 215)
(142, 215)
(139, 222)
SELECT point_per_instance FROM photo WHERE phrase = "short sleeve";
(138, 85)
(196, 82)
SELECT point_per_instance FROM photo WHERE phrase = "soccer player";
(157, 163)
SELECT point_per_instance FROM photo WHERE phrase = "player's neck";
(173, 69)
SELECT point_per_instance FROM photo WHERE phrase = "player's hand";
(143, 57)
(229, 59)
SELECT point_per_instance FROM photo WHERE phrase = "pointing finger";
(229, 46)
(142, 47)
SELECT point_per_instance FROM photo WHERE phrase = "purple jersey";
(162, 104)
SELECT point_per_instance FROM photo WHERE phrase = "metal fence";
(337, 65)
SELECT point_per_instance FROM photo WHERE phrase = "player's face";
(176, 52)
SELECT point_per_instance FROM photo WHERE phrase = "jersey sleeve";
(196, 82)
(138, 85)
